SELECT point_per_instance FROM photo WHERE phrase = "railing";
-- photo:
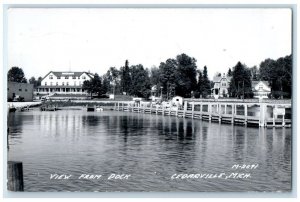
(245, 113)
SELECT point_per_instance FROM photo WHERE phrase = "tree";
(254, 73)
(16, 74)
(140, 81)
(206, 83)
(279, 74)
(167, 77)
(93, 86)
(229, 73)
(199, 91)
(218, 74)
(155, 76)
(39, 81)
(186, 73)
(33, 81)
(112, 75)
(240, 84)
(125, 77)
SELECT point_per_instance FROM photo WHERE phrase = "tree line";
(175, 76)
(180, 76)
(278, 73)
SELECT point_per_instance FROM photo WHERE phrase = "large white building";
(63, 83)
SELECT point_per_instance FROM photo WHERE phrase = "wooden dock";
(239, 113)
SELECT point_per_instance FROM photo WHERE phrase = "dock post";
(209, 106)
(274, 110)
(262, 115)
(283, 121)
(15, 176)
(193, 106)
(220, 112)
(200, 111)
(185, 108)
(246, 114)
(232, 113)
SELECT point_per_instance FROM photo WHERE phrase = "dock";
(262, 114)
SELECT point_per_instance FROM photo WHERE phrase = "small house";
(177, 100)
(221, 85)
(261, 89)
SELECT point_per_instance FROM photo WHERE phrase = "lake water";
(150, 148)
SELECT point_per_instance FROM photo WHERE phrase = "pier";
(261, 114)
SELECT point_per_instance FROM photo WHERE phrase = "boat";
(12, 109)
(99, 109)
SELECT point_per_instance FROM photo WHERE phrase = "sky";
(43, 40)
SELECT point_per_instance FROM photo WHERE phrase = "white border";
(159, 3)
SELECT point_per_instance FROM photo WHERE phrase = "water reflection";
(150, 147)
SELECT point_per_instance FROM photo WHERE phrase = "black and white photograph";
(149, 100)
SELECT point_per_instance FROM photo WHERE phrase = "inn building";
(63, 83)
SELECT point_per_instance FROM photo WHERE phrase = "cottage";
(177, 100)
(261, 89)
(221, 85)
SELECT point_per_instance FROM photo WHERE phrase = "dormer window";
(83, 77)
(58, 77)
(66, 77)
(51, 77)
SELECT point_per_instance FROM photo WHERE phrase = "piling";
(15, 176)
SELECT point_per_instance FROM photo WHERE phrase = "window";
(45, 83)
(51, 77)
(67, 83)
(20, 89)
(74, 83)
(63, 83)
(58, 77)
(57, 83)
(66, 77)
(83, 77)
(25, 90)
(260, 87)
(7, 89)
(74, 77)
(50, 83)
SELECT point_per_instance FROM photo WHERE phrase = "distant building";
(221, 85)
(155, 94)
(261, 89)
(177, 100)
(19, 90)
(63, 83)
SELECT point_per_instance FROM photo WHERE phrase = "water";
(151, 148)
